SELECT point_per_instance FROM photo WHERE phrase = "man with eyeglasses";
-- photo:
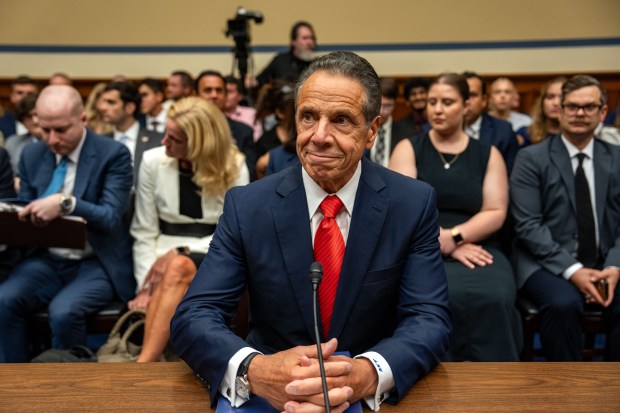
(565, 199)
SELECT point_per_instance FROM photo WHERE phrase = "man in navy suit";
(211, 85)
(484, 127)
(95, 185)
(567, 242)
(390, 309)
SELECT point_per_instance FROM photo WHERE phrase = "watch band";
(245, 364)
(183, 250)
(456, 236)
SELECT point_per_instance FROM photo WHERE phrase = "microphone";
(316, 275)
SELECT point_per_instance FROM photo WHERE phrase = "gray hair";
(354, 67)
(581, 81)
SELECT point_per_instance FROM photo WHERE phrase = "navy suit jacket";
(102, 185)
(7, 124)
(542, 192)
(499, 133)
(6, 176)
(244, 138)
(392, 295)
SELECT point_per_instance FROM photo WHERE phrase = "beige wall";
(202, 23)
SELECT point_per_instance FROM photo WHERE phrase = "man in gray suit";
(120, 105)
(565, 199)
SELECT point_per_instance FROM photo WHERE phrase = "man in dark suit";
(386, 291)
(20, 87)
(415, 93)
(211, 85)
(565, 199)
(484, 127)
(120, 106)
(389, 133)
(71, 171)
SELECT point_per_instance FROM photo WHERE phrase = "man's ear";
(372, 132)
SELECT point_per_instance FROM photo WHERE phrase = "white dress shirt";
(588, 169)
(132, 138)
(315, 195)
(160, 119)
(387, 139)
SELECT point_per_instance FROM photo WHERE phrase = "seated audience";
(564, 199)
(94, 118)
(180, 84)
(280, 96)
(389, 132)
(472, 197)
(210, 85)
(71, 171)
(415, 123)
(545, 114)
(151, 104)
(500, 104)
(120, 106)
(483, 127)
(60, 78)
(610, 133)
(178, 202)
(235, 111)
(20, 87)
(26, 114)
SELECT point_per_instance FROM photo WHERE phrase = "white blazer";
(157, 196)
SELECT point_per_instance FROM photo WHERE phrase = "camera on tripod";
(238, 27)
(239, 30)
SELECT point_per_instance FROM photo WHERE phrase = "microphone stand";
(316, 274)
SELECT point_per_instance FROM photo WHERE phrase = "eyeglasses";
(589, 109)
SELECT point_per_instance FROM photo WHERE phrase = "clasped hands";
(290, 380)
(586, 278)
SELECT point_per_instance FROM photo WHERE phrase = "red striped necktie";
(329, 251)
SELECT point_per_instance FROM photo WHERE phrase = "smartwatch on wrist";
(242, 384)
(456, 236)
(184, 250)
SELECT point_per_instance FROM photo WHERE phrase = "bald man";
(71, 171)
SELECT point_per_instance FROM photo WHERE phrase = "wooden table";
(451, 387)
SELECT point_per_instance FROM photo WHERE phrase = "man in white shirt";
(564, 195)
(385, 289)
(119, 105)
(500, 104)
(151, 104)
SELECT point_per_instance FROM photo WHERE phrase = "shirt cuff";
(227, 387)
(386, 380)
(571, 270)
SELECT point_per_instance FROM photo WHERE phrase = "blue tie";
(58, 179)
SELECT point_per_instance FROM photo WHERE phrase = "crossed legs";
(167, 296)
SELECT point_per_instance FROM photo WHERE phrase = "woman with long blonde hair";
(179, 198)
(545, 114)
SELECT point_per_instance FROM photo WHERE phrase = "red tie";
(329, 251)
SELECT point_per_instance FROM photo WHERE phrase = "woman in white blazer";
(179, 198)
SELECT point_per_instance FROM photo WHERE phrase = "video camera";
(239, 30)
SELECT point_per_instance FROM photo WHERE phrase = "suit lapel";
(486, 129)
(47, 169)
(85, 166)
(295, 240)
(369, 213)
(602, 171)
(559, 157)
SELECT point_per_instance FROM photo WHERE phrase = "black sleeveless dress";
(486, 324)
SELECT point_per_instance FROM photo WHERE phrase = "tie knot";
(330, 206)
(580, 157)
(63, 161)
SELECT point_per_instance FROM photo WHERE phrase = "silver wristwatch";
(242, 384)
(65, 204)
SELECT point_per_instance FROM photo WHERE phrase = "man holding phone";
(565, 199)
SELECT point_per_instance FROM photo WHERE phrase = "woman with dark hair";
(179, 198)
(472, 197)
(545, 114)
(280, 100)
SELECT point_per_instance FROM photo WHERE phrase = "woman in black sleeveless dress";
(472, 197)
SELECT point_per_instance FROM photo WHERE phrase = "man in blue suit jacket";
(485, 127)
(390, 309)
(72, 284)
